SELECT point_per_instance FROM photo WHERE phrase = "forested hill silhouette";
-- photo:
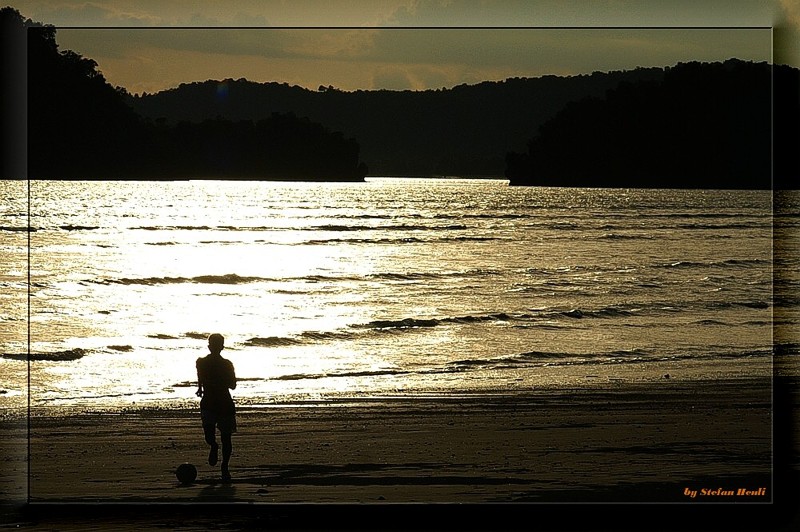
(465, 131)
(702, 126)
(694, 125)
(80, 127)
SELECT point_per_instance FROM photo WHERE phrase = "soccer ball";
(186, 473)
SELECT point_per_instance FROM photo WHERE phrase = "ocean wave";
(193, 384)
(79, 227)
(529, 358)
(414, 323)
(619, 236)
(322, 227)
(570, 269)
(390, 227)
(469, 239)
(538, 315)
(713, 263)
(497, 316)
(754, 304)
(173, 228)
(397, 240)
(437, 216)
(654, 308)
(58, 356)
(316, 336)
(473, 215)
(625, 356)
(786, 348)
(397, 276)
(624, 224)
(607, 312)
(92, 397)
(536, 224)
(271, 341)
(496, 216)
(745, 225)
(360, 216)
(233, 278)
(405, 323)
(342, 374)
(376, 327)
(785, 301)
(417, 276)
(14, 229)
(327, 241)
(230, 278)
(710, 322)
(578, 268)
(306, 337)
(734, 215)
(553, 317)
(555, 225)
(549, 314)
(742, 262)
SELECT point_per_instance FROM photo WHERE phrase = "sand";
(473, 461)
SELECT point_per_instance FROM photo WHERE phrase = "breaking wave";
(58, 356)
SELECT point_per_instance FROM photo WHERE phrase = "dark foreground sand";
(513, 462)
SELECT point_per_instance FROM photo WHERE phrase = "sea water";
(392, 287)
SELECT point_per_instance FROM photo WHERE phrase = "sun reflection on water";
(470, 280)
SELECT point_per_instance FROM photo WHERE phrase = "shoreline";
(622, 444)
(549, 384)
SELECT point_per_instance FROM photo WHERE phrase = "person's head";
(216, 343)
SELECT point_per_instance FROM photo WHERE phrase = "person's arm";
(231, 377)
(199, 392)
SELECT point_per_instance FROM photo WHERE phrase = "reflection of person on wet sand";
(215, 377)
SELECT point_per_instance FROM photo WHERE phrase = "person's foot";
(226, 475)
(212, 455)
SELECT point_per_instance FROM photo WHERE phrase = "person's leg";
(210, 434)
(213, 452)
(227, 450)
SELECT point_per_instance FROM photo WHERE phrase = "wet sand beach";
(672, 445)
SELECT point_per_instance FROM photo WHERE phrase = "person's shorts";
(225, 423)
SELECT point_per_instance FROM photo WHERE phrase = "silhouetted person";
(215, 377)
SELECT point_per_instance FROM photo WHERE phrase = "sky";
(153, 45)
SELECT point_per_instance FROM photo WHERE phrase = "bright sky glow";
(151, 45)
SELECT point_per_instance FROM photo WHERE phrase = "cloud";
(322, 44)
(238, 19)
(211, 13)
(84, 14)
(521, 52)
(414, 77)
(787, 33)
(197, 41)
(392, 78)
(583, 13)
(396, 58)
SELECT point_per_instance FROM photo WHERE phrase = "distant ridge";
(694, 125)
(704, 125)
(80, 127)
(464, 131)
